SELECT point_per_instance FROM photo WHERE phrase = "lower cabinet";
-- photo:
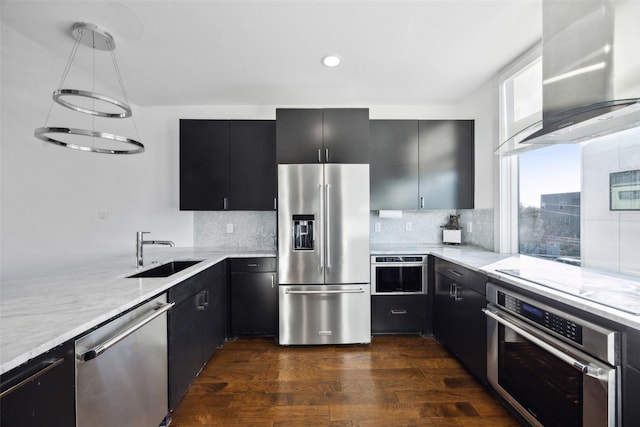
(254, 297)
(459, 323)
(197, 326)
(398, 314)
(40, 392)
(631, 378)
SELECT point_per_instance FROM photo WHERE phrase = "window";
(547, 194)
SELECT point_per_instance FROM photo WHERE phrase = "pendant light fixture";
(84, 101)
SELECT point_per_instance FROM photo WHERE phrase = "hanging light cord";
(112, 52)
(72, 56)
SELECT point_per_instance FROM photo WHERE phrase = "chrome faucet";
(140, 242)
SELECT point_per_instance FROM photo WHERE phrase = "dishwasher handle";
(107, 344)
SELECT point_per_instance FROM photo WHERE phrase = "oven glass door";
(547, 387)
(549, 382)
(398, 278)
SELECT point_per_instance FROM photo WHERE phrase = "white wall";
(52, 197)
(610, 240)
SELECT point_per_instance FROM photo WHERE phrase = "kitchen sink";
(166, 269)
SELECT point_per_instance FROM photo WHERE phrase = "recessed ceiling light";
(331, 61)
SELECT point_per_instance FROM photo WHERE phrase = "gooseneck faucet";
(140, 242)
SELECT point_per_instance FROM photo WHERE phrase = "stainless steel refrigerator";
(323, 254)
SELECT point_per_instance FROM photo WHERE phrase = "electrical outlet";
(103, 214)
(408, 226)
(469, 227)
(229, 228)
(377, 227)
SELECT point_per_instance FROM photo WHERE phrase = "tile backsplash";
(257, 229)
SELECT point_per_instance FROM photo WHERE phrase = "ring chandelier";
(98, 39)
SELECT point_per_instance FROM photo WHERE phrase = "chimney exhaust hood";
(591, 73)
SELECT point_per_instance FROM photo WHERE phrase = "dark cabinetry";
(227, 165)
(394, 164)
(426, 164)
(330, 135)
(446, 164)
(254, 297)
(398, 314)
(197, 326)
(40, 392)
(459, 323)
(631, 378)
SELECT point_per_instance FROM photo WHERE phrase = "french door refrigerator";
(323, 254)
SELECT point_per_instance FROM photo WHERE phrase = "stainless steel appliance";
(121, 370)
(398, 274)
(323, 254)
(554, 368)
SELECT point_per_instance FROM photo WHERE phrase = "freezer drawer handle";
(50, 365)
(580, 366)
(337, 291)
(107, 344)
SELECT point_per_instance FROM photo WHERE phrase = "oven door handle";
(568, 359)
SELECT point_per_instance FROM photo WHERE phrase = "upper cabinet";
(394, 164)
(426, 164)
(227, 165)
(446, 164)
(330, 135)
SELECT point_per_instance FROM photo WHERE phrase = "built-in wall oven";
(398, 274)
(554, 368)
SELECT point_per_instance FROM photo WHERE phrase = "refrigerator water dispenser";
(303, 232)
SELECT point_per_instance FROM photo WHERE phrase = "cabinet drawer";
(472, 279)
(398, 313)
(253, 265)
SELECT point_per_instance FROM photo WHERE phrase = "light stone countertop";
(40, 313)
(611, 292)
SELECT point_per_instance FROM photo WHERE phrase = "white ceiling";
(241, 52)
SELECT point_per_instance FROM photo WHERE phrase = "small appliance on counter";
(451, 233)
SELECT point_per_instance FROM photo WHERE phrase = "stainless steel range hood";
(591, 73)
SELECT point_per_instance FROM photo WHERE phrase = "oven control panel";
(544, 318)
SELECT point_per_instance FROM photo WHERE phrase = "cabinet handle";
(252, 265)
(421, 202)
(275, 203)
(398, 312)
(50, 365)
(272, 281)
(455, 272)
(326, 155)
(200, 301)
(454, 292)
(319, 155)
(225, 203)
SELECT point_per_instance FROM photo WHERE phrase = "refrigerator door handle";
(321, 239)
(328, 225)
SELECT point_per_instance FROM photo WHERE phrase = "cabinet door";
(471, 331)
(299, 135)
(346, 135)
(446, 151)
(253, 165)
(254, 304)
(204, 164)
(185, 347)
(215, 313)
(443, 311)
(44, 393)
(394, 164)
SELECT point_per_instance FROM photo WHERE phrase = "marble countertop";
(611, 296)
(39, 313)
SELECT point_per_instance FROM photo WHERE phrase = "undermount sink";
(166, 269)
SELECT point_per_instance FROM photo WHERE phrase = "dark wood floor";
(394, 381)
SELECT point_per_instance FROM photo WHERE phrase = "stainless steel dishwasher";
(121, 369)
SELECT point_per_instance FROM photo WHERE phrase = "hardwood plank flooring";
(394, 381)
